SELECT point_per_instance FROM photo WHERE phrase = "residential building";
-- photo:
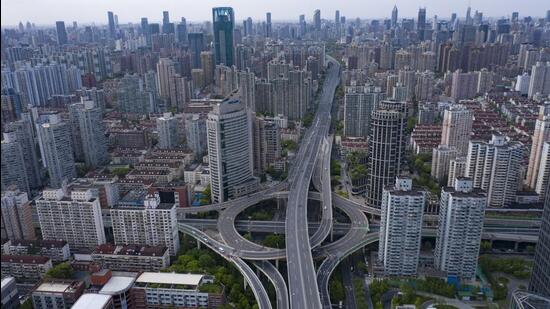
(56, 250)
(464, 85)
(267, 144)
(25, 268)
(441, 158)
(170, 289)
(461, 214)
(457, 127)
(57, 293)
(152, 224)
(13, 164)
(10, 294)
(541, 135)
(400, 228)
(386, 148)
(16, 215)
(539, 84)
(93, 301)
(56, 149)
(457, 169)
(168, 131)
(494, 167)
(91, 133)
(359, 102)
(540, 277)
(76, 218)
(133, 258)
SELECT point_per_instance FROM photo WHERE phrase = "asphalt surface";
(301, 271)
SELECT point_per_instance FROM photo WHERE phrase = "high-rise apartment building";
(540, 136)
(16, 215)
(457, 169)
(441, 158)
(165, 71)
(61, 33)
(153, 224)
(540, 277)
(494, 167)
(56, 150)
(25, 136)
(421, 23)
(359, 102)
(167, 127)
(229, 148)
(91, 133)
(13, 164)
(196, 46)
(461, 214)
(267, 144)
(208, 67)
(386, 147)
(457, 127)
(401, 228)
(247, 91)
(76, 218)
(223, 22)
(540, 80)
(464, 85)
(195, 130)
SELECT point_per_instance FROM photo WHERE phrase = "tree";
(485, 246)
(336, 291)
(121, 171)
(274, 241)
(60, 271)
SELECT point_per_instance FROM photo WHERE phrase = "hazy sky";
(46, 12)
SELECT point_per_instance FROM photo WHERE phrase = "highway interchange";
(307, 288)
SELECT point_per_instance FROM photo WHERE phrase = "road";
(277, 280)
(301, 271)
(348, 284)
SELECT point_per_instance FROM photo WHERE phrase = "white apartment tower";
(540, 80)
(494, 167)
(461, 214)
(56, 149)
(75, 218)
(541, 135)
(457, 126)
(167, 127)
(153, 224)
(401, 228)
(229, 132)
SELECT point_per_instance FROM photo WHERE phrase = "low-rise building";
(93, 301)
(56, 250)
(57, 293)
(158, 290)
(131, 257)
(25, 268)
(10, 294)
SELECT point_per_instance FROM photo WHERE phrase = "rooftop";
(135, 250)
(117, 284)
(25, 259)
(169, 278)
(92, 301)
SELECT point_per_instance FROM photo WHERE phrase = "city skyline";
(41, 13)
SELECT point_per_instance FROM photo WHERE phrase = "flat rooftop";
(92, 301)
(170, 278)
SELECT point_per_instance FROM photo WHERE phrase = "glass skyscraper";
(223, 20)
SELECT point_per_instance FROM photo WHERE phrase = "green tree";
(121, 171)
(60, 271)
(274, 241)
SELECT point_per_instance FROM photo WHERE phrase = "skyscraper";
(208, 67)
(317, 20)
(165, 71)
(13, 164)
(153, 224)
(229, 149)
(359, 102)
(91, 133)
(111, 19)
(75, 218)
(386, 148)
(400, 228)
(464, 85)
(495, 167)
(540, 277)
(457, 127)
(56, 149)
(421, 23)
(16, 215)
(540, 80)
(247, 83)
(461, 214)
(540, 136)
(61, 32)
(268, 26)
(196, 46)
(25, 136)
(167, 127)
(394, 16)
(223, 22)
